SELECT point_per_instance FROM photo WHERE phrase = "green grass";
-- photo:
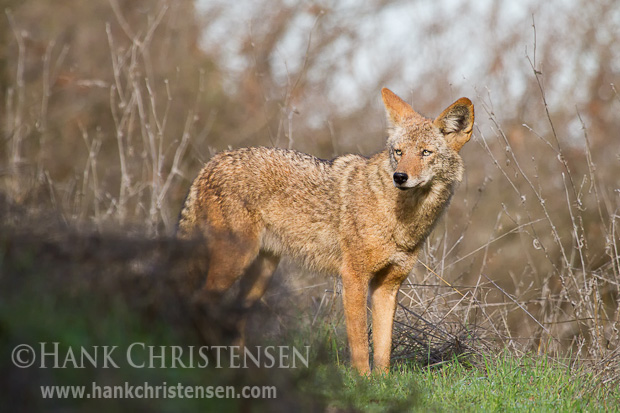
(510, 383)
(502, 383)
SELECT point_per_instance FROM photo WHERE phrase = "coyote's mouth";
(414, 183)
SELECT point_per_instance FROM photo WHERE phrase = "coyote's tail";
(187, 216)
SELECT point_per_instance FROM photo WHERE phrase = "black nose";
(400, 178)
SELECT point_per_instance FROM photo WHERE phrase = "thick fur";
(350, 216)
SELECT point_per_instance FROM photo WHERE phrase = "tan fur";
(346, 216)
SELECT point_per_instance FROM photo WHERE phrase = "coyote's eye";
(398, 152)
(426, 152)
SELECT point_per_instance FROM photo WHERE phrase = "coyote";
(364, 218)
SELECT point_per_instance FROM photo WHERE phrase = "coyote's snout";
(364, 218)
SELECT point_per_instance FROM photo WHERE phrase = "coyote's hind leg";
(257, 277)
(230, 256)
(253, 285)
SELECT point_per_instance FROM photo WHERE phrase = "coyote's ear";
(397, 109)
(456, 123)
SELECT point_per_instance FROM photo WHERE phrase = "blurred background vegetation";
(110, 107)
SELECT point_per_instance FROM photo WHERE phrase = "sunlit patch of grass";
(501, 383)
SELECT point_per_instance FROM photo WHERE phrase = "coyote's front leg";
(384, 292)
(354, 296)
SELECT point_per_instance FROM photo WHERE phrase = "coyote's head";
(423, 151)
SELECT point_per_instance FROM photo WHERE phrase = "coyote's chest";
(416, 216)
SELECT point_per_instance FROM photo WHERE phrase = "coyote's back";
(365, 218)
(284, 199)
